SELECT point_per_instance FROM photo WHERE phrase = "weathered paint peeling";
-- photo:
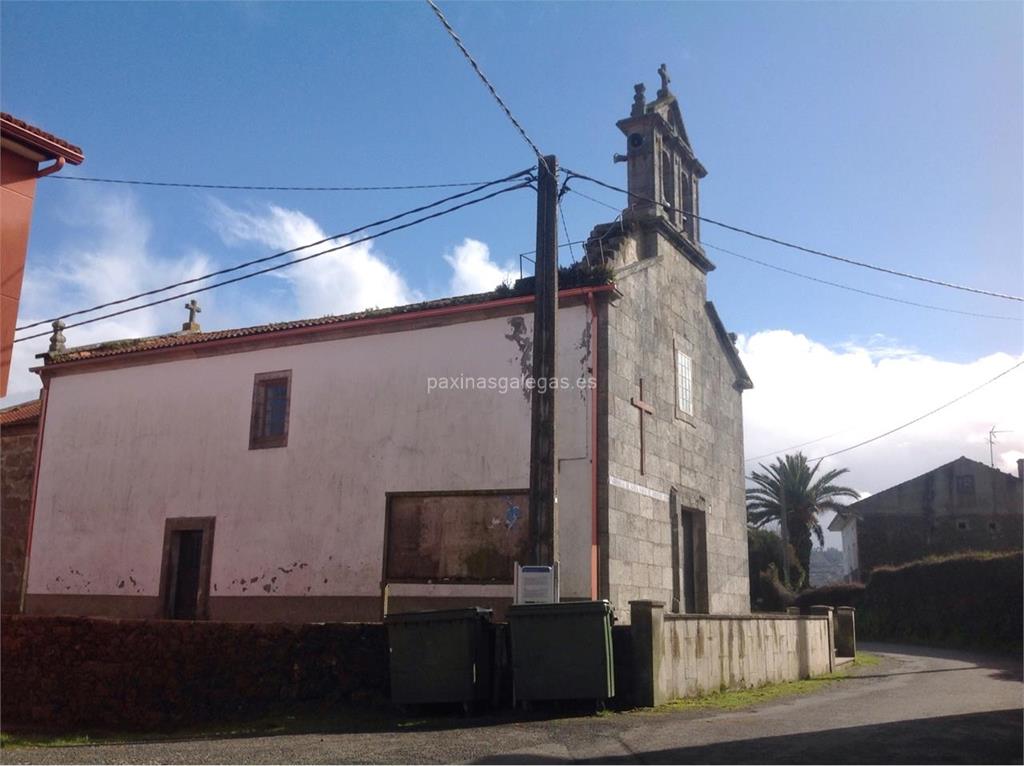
(524, 348)
(584, 346)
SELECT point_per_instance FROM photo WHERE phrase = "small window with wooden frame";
(271, 402)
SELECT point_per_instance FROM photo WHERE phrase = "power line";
(801, 248)
(483, 78)
(857, 289)
(565, 225)
(919, 418)
(595, 199)
(182, 185)
(280, 254)
(824, 281)
(794, 446)
(269, 269)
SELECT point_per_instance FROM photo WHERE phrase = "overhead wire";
(794, 246)
(919, 418)
(857, 289)
(273, 256)
(826, 281)
(243, 187)
(487, 83)
(276, 267)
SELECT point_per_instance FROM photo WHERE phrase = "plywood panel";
(457, 537)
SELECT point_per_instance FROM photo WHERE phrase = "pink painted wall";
(126, 448)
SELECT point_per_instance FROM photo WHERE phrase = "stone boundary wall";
(687, 655)
(17, 468)
(67, 672)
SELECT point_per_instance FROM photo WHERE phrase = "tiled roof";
(179, 339)
(172, 340)
(19, 414)
(22, 130)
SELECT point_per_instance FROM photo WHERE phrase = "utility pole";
(543, 467)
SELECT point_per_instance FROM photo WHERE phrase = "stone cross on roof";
(191, 325)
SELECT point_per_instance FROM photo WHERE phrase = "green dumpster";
(562, 651)
(442, 656)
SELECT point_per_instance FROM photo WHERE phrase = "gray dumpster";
(562, 651)
(442, 656)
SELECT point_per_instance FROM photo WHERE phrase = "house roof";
(840, 520)
(38, 139)
(127, 346)
(21, 414)
(865, 505)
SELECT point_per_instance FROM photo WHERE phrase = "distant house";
(960, 506)
(22, 148)
(19, 426)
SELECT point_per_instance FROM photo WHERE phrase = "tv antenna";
(991, 444)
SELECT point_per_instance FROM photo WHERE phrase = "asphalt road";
(917, 706)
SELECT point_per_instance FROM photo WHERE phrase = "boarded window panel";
(472, 537)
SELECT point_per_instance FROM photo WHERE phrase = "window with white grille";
(684, 383)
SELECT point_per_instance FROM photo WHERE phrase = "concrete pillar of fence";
(820, 609)
(647, 621)
(846, 631)
(793, 610)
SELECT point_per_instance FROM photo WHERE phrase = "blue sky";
(888, 132)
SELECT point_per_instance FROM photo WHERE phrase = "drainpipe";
(595, 557)
(56, 167)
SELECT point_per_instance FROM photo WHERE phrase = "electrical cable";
(801, 248)
(269, 269)
(280, 254)
(919, 418)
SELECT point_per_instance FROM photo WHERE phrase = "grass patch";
(29, 740)
(866, 659)
(733, 699)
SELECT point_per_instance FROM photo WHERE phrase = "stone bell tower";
(662, 168)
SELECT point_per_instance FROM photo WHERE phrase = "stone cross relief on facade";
(645, 409)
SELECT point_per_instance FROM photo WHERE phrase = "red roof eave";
(38, 139)
(20, 414)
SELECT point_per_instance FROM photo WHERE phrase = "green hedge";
(971, 600)
(836, 594)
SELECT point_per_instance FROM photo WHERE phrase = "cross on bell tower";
(663, 170)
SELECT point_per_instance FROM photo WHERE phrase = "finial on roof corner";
(192, 325)
(663, 91)
(57, 345)
(639, 100)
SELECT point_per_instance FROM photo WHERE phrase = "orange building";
(22, 148)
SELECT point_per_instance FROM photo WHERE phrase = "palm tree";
(791, 492)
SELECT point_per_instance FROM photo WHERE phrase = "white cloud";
(473, 271)
(109, 257)
(343, 281)
(805, 390)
